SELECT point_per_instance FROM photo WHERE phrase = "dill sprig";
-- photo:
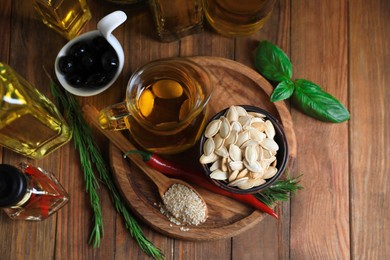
(90, 153)
(281, 190)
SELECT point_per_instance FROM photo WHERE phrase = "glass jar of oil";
(66, 17)
(30, 124)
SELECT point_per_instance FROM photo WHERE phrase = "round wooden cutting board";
(235, 84)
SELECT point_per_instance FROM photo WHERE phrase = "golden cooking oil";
(67, 17)
(30, 124)
(234, 18)
(164, 106)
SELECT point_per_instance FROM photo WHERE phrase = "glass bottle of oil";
(175, 19)
(30, 193)
(30, 124)
(67, 17)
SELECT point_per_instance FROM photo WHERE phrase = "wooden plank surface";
(343, 211)
(370, 136)
(320, 215)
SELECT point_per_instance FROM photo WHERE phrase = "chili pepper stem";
(145, 155)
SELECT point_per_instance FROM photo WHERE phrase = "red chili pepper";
(42, 202)
(175, 171)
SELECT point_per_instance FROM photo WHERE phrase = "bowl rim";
(86, 92)
(285, 155)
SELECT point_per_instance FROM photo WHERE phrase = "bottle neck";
(24, 200)
(13, 186)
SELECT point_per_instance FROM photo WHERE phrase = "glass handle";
(113, 117)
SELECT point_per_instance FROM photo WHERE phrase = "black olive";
(87, 62)
(92, 63)
(78, 49)
(109, 61)
(67, 64)
(75, 80)
(100, 44)
(98, 80)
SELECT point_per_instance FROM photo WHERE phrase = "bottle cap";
(13, 185)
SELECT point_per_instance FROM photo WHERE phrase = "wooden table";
(343, 212)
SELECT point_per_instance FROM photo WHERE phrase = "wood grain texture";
(277, 244)
(320, 214)
(342, 212)
(370, 138)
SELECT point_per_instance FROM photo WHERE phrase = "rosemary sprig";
(81, 138)
(281, 190)
(89, 153)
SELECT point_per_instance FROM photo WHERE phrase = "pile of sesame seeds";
(184, 205)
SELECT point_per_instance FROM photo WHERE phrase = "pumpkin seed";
(208, 147)
(244, 120)
(222, 151)
(218, 141)
(258, 181)
(224, 130)
(242, 137)
(235, 152)
(205, 159)
(237, 182)
(249, 143)
(241, 111)
(261, 126)
(241, 148)
(256, 175)
(256, 120)
(269, 130)
(242, 173)
(233, 175)
(215, 165)
(212, 128)
(270, 172)
(232, 114)
(269, 144)
(246, 185)
(256, 114)
(224, 164)
(219, 175)
(253, 167)
(236, 165)
(256, 135)
(251, 154)
(236, 127)
(232, 138)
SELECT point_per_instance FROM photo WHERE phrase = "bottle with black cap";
(30, 193)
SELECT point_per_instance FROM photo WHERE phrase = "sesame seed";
(185, 205)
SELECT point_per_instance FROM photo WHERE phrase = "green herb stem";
(81, 144)
(281, 190)
(90, 154)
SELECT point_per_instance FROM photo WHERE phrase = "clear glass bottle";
(30, 193)
(67, 17)
(30, 124)
(175, 19)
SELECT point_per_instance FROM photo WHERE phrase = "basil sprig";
(310, 98)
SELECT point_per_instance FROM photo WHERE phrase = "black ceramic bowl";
(281, 156)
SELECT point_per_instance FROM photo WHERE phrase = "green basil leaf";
(315, 102)
(272, 62)
(282, 91)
